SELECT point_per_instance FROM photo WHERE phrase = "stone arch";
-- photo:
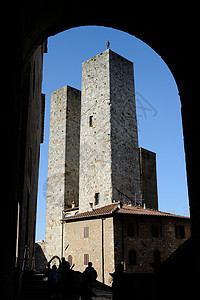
(167, 33)
(162, 36)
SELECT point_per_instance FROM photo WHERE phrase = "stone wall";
(33, 111)
(84, 237)
(124, 135)
(143, 243)
(108, 138)
(95, 147)
(97, 243)
(62, 185)
(148, 178)
(40, 258)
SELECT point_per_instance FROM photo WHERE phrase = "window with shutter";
(86, 259)
(70, 260)
(86, 232)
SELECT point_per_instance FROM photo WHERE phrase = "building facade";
(118, 233)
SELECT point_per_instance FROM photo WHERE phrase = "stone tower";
(148, 178)
(63, 164)
(109, 155)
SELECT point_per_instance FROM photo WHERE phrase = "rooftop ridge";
(120, 208)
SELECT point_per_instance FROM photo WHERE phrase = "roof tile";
(119, 208)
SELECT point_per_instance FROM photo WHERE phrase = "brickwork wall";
(62, 185)
(91, 245)
(108, 138)
(143, 243)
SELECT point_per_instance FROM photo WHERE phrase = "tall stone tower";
(63, 164)
(109, 155)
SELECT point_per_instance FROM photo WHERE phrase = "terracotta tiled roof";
(117, 208)
(136, 210)
(105, 210)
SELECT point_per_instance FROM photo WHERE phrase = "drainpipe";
(102, 247)
(122, 226)
(62, 234)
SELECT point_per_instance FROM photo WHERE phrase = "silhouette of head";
(90, 264)
(54, 268)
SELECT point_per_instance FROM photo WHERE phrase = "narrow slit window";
(97, 198)
(91, 121)
(70, 260)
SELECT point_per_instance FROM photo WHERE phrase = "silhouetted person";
(53, 281)
(67, 280)
(92, 275)
(118, 283)
(89, 277)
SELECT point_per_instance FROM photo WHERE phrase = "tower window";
(91, 121)
(97, 198)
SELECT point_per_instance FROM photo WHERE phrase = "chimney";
(91, 206)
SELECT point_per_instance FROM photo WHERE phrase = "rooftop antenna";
(108, 44)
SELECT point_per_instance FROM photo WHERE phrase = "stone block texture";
(63, 164)
(109, 156)
(93, 239)
(148, 178)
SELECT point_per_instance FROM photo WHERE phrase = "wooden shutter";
(86, 259)
(86, 232)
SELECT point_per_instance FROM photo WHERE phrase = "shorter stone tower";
(148, 178)
(63, 164)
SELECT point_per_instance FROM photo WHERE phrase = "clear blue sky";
(157, 102)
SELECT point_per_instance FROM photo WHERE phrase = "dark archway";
(167, 33)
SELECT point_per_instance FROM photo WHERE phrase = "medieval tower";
(94, 157)
(63, 163)
(109, 157)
